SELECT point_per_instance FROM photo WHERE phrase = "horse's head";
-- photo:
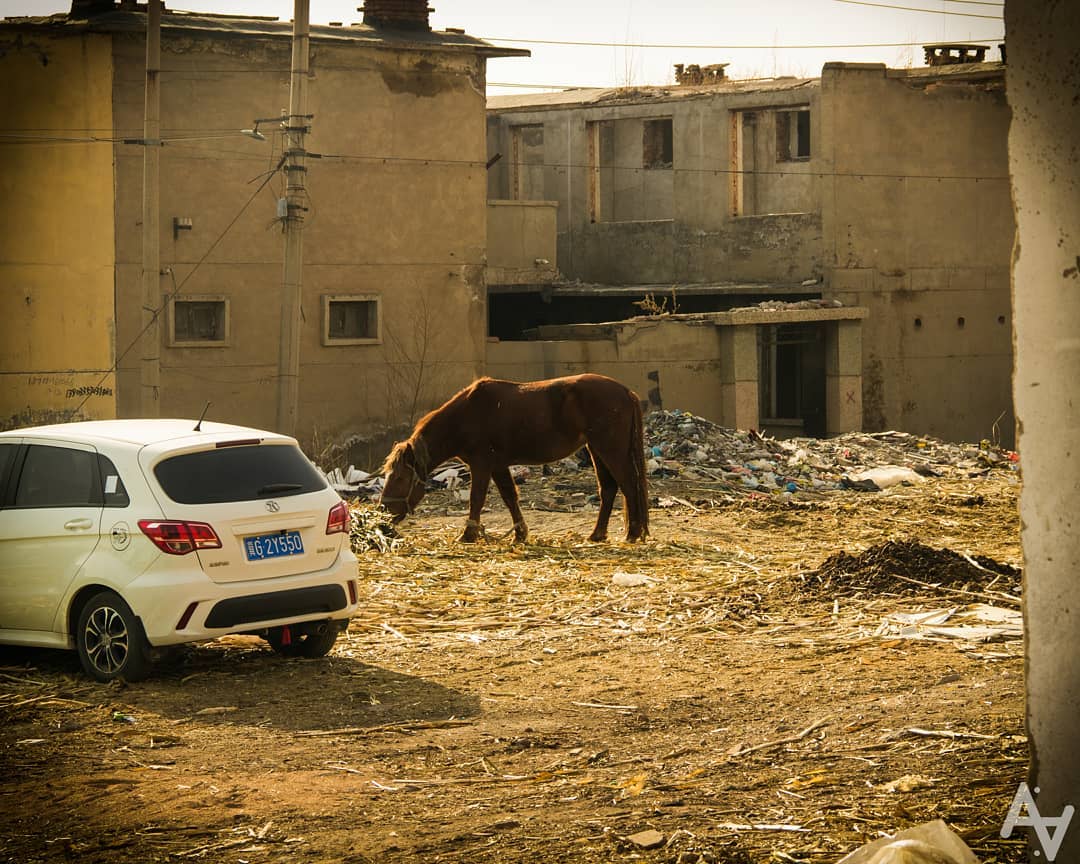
(404, 484)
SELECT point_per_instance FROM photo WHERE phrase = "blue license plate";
(276, 545)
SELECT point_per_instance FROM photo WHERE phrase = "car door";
(49, 525)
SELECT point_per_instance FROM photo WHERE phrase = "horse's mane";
(395, 454)
(428, 423)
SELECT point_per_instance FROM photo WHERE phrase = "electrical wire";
(177, 288)
(735, 47)
(916, 9)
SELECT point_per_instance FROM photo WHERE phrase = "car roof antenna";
(198, 426)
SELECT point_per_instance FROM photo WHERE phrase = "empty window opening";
(1001, 319)
(351, 320)
(793, 135)
(527, 162)
(760, 138)
(960, 322)
(918, 323)
(199, 321)
(625, 184)
(657, 144)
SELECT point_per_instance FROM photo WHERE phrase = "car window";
(7, 456)
(114, 493)
(58, 477)
(238, 473)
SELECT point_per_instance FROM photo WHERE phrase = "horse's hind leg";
(619, 479)
(608, 486)
(508, 489)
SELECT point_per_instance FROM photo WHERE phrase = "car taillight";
(338, 520)
(180, 538)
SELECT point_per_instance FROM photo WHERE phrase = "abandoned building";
(867, 209)
(881, 191)
(394, 239)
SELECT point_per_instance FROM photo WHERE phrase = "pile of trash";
(682, 445)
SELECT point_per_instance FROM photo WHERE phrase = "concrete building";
(395, 228)
(884, 189)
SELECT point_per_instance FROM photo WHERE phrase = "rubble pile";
(682, 445)
(907, 566)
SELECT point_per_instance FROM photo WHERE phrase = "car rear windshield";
(238, 473)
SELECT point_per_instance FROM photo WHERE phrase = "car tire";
(305, 640)
(111, 641)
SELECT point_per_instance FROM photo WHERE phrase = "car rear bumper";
(163, 600)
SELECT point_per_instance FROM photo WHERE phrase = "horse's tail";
(640, 504)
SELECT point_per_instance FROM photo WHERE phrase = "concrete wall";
(56, 249)
(520, 238)
(396, 211)
(642, 238)
(1043, 80)
(917, 226)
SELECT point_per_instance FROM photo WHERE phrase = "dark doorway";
(791, 379)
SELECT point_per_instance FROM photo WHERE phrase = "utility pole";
(150, 364)
(296, 125)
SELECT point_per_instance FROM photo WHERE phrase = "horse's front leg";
(477, 495)
(508, 489)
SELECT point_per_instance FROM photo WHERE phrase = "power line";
(916, 9)
(738, 47)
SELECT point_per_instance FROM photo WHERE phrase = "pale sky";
(724, 24)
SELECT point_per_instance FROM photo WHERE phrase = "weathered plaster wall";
(396, 210)
(56, 249)
(917, 226)
(1044, 157)
(520, 234)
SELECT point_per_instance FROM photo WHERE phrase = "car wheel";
(305, 640)
(111, 641)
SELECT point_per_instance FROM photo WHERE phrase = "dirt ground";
(507, 703)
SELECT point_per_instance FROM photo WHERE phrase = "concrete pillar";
(739, 376)
(843, 377)
(1043, 78)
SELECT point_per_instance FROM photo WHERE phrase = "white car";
(118, 537)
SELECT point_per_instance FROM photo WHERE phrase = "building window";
(657, 146)
(352, 319)
(199, 322)
(527, 162)
(793, 135)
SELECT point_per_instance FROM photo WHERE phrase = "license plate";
(276, 545)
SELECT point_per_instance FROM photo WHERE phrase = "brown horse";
(493, 424)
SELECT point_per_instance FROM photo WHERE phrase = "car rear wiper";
(275, 488)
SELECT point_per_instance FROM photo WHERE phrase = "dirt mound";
(907, 566)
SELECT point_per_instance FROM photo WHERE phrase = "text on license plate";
(276, 545)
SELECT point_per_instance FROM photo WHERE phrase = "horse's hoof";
(469, 536)
(597, 538)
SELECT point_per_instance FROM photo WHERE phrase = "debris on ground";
(370, 528)
(907, 567)
(680, 444)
